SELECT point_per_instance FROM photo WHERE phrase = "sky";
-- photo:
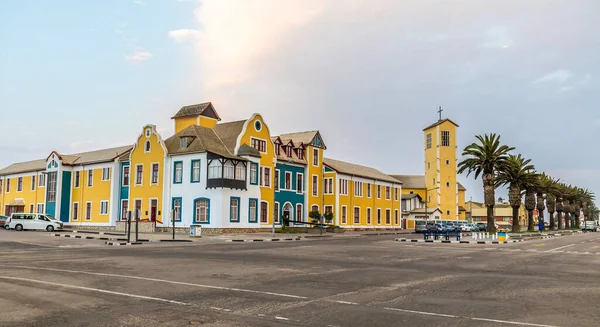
(369, 75)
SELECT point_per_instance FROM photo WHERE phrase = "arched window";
(147, 146)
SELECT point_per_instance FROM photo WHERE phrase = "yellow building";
(361, 197)
(502, 213)
(22, 188)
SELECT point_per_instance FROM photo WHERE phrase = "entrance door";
(287, 210)
(153, 208)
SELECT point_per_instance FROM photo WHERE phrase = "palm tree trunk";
(567, 220)
(560, 221)
(541, 218)
(516, 227)
(489, 198)
(551, 216)
(491, 220)
(530, 223)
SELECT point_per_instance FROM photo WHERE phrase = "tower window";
(447, 162)
(147, 146)
(445, 138)
(429, 165)
(448, 212)
(428, 140)
(448, 184)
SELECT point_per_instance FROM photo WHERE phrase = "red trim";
(54, 152)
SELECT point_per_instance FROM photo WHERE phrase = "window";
(328, 209)
(105, 174)
(276, 180)
(103, 207)
(315, 157)
(378, 216)
(276, 212)
(299, 215)
(88, 211)
(19, 184)
(447, 184)
(234, 209)
(387, 192)
(124, 209)
(75, 211)
(428, 138)
(126, 176)
(264, 212)
(178, 177)
(8, 185)
(195, 178)
(379, 191)
(299, 183)
(445, 138)
(240, 171)
(288, 180)
(368, 190)
(33, 182)
(139, 174)
(396, 194)
(201, 212)
(267, 176)
(448, 212)
(434, 180)
(358, 189)
(183, 142)
(277, 148)
(76, 179)
(51, 190)
(147, 147)
(90, 181)
(343, 186)
(288, 151)
(228, 170)
(368, 216)
(154, 179)
(1, 188)
(301, 154)
(252, 207)
(447, 162)
(396, 217)
(253, 173)
(429, 165)
(315, 185)
(138, 208)
(343, 214)
(42, 180)
(356, 215)
(314, 208)
(214, 169)
(40, 208)
(259, 145)
(328, 186)
(388, 218)
(31, 208)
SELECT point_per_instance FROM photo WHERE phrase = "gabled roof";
(202, 139)
(411, 181)
(229, 132)
(410, 196)
(439, 122)
(461, 187)
(358, 170)
(84, 158)
(246, 150)
(202, 109)
(312, 138)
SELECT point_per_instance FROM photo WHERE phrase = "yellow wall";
(184, 122)
(461, 202)
(267, 159)
(419, 191)
(99, 191)
(447, 171)
(207, 122)
(318, 171)
(146, 190)
(329, 199)
(29, 197)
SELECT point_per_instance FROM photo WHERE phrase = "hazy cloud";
(560, 76)
(141, 55)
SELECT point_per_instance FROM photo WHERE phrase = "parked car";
(590, 225)
(466, 227)
(482, 226)
(420, 226)
(33, 221)
(433, 226)
(3, 222)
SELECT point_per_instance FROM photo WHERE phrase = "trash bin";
(195, 231)
(501, 236)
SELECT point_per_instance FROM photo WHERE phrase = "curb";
(122, 243)
(266, 240)
(455, 242)
(94, 232)
(91, 237)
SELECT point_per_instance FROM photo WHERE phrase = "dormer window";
(301, 154)
(288, 151)
(277, 148)
(183, 142)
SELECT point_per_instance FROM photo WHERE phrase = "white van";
(33, 221)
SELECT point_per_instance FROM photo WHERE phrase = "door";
(286, 214)
(153, 208)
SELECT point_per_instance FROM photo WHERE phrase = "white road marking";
(95, 290)
(423, 313)
(163, 281)
(511, 322)
(346, 302)
(562, 247)
(281, 318)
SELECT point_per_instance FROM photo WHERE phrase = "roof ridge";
(223, 143)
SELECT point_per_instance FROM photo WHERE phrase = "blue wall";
(283, 196)
(65, 196)
(124, 189)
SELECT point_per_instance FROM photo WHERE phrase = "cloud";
(182, 35)
(139, 2)
(560, 76)
(579, 83)
(141, 55)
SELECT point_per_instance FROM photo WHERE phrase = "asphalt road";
(369, 281)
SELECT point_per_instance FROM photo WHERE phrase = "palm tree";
(530, 206)
(559, 207)
(550, 188)
(519, 175)
(486, 158)
(567, 196)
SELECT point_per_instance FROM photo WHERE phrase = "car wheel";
(19, 228)
(50, 228)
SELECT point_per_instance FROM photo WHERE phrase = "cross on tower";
(440, 112)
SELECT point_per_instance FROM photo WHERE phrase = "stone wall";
(143, 227)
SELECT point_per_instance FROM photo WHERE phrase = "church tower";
(203, 114)
(441, 167)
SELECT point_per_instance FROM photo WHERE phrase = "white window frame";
(301, 206)
(228, 170)
(141, 183)
(369, 218)
(379, 191)
(42, 180)
(260, 217)
(315, 185)
(358, 189)
(88, 212)
(259, 139)
(276, 217)
(276, 180)
(90, 172)
(128, 176)
(300, 186)
(147, 146)
(386, 216)
(354, 215)
(447, 134)
(285, 186)
(388, 194)
(379, 218)
(315, 157)
(266, 180)
(344, 215)
(158, 173)
(19, 184)
(33, 182)
(124, 214)
(104, 205)
(73, 217)
(107, 170)
(199, 170)
(77, 179)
